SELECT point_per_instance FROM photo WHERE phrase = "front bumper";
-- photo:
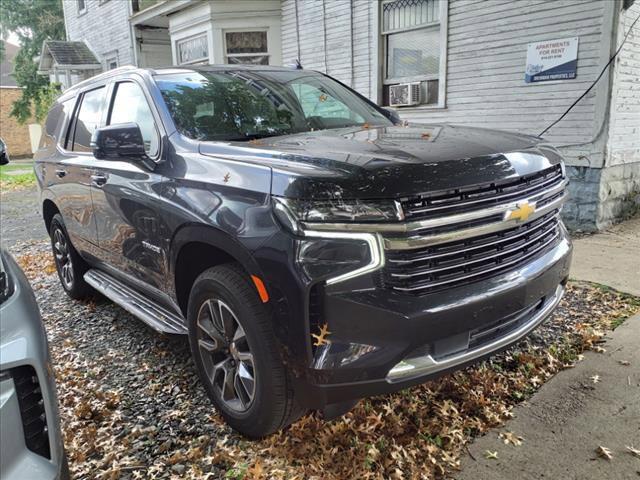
(28, 401)
(384, 341)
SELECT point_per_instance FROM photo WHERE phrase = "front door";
(124, 199)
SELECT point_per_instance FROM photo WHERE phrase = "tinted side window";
(55, 127)
(88, 119)
(130, 105)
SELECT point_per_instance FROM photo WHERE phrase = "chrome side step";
(157, 317)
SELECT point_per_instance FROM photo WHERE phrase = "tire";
(69, 264)
(221, 351)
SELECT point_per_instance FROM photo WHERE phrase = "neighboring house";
(15, 135)
(466, 62)
(67, 63)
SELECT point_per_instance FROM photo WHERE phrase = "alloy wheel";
(63, 258)
(226, 355)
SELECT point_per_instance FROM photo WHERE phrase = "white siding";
(104, 26)
(331, 36)
(624, 130)
(486, 59)
(487, 44)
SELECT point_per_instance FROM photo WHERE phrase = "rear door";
(74, 170)
(130, 228)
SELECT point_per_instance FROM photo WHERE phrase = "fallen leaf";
(489, 455)
(321, 337)
(256, 471)
(599, 349)
(604, 452)
(595, 378)
(633, 451)
(511, 438)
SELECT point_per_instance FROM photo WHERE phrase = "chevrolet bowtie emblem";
(521, 213)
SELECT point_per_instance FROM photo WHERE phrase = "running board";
(135, 303)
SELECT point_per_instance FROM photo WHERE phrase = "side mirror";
(392, 115)
(122, 141)
(4, 155)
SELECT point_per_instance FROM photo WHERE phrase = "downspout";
(324, 28)
(353, 72)
(295, 5)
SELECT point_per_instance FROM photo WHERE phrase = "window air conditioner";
(404, 94)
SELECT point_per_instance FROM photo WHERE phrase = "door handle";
(60, 172)
(98, 180)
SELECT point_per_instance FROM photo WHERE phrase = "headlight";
(341, 211)
(337, 255)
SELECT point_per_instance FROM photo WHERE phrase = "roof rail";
(101, 76)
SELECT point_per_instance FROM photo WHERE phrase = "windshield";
(244, 105)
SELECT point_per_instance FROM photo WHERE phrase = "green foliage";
(33, 21)
(16, 181)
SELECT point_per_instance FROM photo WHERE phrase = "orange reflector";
(264, 296)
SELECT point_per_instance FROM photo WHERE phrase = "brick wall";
(16, 136)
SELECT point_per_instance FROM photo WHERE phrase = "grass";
(19, 181)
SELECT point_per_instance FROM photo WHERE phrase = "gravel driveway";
(19, 217)
(132, 407)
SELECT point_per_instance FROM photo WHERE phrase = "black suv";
(315, 249)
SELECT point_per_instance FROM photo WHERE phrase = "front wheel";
(69, 264)
(235, 353)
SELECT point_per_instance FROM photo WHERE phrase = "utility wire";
(595, 81)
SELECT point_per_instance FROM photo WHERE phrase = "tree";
(33, 21)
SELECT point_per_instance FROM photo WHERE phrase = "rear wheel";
(235, 353)
(69, 265)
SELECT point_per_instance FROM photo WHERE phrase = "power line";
(595, 81)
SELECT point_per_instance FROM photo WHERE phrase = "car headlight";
(335, 256)
(340, 211)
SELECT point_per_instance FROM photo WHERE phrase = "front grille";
(34, 419)
(473, 259)
(481, 196)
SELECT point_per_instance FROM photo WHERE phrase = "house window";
(414, 43)
(112, 63)
(193, 50)
(247, 47)
(82, 6)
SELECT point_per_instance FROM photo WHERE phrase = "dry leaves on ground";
(511, 438)
(604, 452)
(416, 433)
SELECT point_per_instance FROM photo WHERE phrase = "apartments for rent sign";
(552, 60)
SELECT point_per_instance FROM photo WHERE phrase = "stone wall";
(580, 210)
(619, 194)
(16, 136)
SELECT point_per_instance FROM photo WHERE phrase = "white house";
(474, 62)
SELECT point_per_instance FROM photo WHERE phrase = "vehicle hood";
(388, 162)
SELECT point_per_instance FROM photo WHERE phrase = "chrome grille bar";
(414, 242)
(467, 249)
(494, 255)
(428, 285)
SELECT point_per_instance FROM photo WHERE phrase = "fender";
(216, 238)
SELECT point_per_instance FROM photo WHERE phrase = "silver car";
(30, 437)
